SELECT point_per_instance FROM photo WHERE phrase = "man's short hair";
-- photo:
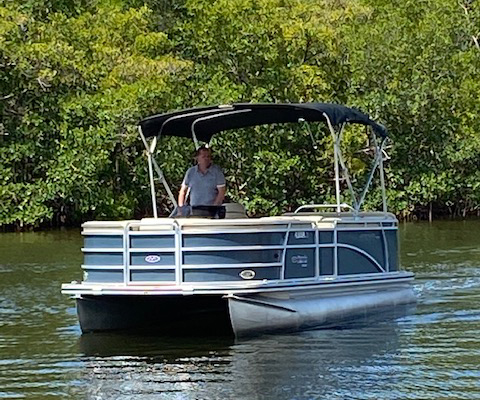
(202, 148)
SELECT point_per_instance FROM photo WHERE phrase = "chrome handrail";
(314, 206)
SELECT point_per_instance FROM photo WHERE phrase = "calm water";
(432, 352)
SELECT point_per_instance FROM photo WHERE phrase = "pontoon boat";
(319, 265)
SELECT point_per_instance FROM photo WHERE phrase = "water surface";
(429, 352)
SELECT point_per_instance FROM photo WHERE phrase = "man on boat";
(204, 182)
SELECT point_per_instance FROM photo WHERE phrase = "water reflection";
(104, 345)
(276, 366)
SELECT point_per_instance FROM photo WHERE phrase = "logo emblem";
(301, 235)
(300, 259)
(152, 259)
(247, 274)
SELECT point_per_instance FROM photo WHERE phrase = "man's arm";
(181, 195)
(220, 195)
(221, 187)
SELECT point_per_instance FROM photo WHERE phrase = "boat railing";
(205, 250)
(186, 252)
(323, 206)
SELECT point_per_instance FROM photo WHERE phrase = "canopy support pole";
(164, 181)
(345, 173)
(152, 186)
(152, 164)
(150, 171)
(378, 157)
(195, 140)
(336, 149)
(382, 178)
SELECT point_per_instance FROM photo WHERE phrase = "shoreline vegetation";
(77, 76)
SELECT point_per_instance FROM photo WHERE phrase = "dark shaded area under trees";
(75, 77)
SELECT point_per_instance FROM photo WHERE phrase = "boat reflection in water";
(227, 273)
(168, 347)
(273, 366)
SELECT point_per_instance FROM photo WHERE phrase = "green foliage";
(269, 50)
(75, 77)
(415, 67)
(73, 89)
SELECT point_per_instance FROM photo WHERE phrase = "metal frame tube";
(142, 136)
(378, 157)
(345, 173)
(216, 110)
(150, 170)
(165, 183)
(336, 166)
(152, 164)
(212, 117)
(382, 178)
(152, 185)
(284, 251)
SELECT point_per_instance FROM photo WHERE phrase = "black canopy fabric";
(207, 121)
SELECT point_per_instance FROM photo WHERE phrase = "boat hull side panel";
(231, 257)
(326, 261)
(230, 274)
(103, 276)
(231, 240)
(300, 263)
(351, 262)
(370, 241)
(392, 243)
(153, 275)
(152, 241)
(103, 241)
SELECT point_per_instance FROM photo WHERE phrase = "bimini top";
(206, 121)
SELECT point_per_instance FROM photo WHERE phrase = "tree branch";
(475, 40)
(6, 97)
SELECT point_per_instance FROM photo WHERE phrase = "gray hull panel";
(253, 315)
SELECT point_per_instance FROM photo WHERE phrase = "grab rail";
(314, 206)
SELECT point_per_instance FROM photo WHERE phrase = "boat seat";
(234, 210)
